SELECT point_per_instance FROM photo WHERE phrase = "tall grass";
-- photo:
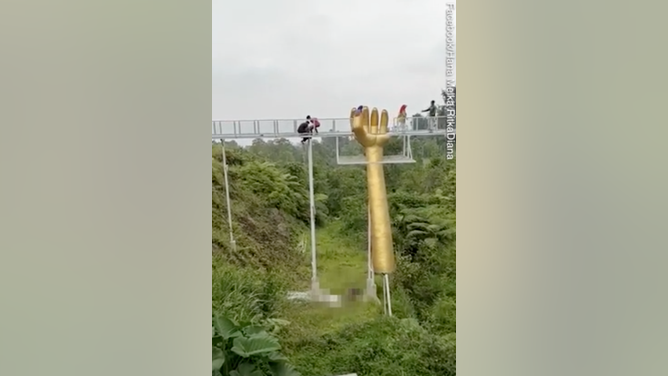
(246, 295)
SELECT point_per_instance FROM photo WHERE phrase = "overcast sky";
(291, 58)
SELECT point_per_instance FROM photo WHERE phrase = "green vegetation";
(240, 350)
(259, 332)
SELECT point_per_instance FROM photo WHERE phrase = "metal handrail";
(288, 127)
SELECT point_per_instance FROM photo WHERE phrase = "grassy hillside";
(269, 191)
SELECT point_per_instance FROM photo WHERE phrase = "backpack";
(303, 127)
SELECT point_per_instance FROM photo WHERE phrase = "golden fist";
(367, 129)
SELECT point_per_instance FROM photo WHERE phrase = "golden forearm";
(381, 230)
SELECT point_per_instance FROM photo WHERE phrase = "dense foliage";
(270, 206)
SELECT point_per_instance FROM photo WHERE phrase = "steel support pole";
(233, 243)
(370, 260)
(388, 297)
(315, 286)
(370, 280)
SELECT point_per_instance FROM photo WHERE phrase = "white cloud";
(289, 58)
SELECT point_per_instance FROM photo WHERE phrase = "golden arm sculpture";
(372, 135)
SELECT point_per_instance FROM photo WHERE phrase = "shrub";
(246, 350)
(386, 346)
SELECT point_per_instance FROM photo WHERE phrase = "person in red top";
(401, 118)
(313, 123)
(402, 110)
(316, 124)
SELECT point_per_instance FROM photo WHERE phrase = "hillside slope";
(269, 193)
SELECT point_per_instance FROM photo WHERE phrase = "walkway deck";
(281, 128)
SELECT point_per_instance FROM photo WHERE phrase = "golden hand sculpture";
(372, 135)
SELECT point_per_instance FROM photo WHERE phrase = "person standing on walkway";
(401, 118)
(432, 115)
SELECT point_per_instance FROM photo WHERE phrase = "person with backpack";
(305, 128)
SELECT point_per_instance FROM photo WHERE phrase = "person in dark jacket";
(305, 128)
(432, 115)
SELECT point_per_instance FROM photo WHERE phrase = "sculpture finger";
(353, 114)
(384, 119)
(359, 123)
(373, 121)
(365, 118)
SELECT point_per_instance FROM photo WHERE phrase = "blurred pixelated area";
(326, 298)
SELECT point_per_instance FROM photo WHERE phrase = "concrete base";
(315, 289)
(371, 288)
(371, 292)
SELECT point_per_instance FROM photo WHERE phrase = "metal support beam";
(337, 150)
(315, 285)
(370, 261)
(233, 243)
(387, 298)
(370, 281)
